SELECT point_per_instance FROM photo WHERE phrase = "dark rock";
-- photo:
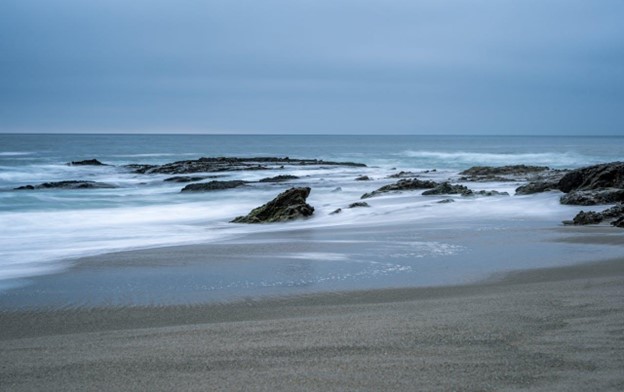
(607, 175)
(288, 205)
(221, 164)
(336, 211)
(614, 214)
(337, 189)
(618, 222)
(490, 193)
(402, 174)
(363, 178)
(536, 187)
(402, 185)
(280, 178)
(446, 188)
(68, 185)
(87, 162)
(140, 168)
(593, 197)
(587, 218)
(359, 204)
(213, 186)
(445, 201)
(183, 179)
(514, 170)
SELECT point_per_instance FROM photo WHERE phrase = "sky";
(539, 67)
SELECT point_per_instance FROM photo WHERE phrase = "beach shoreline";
(542, 329)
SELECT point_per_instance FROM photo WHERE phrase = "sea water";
(43, 230)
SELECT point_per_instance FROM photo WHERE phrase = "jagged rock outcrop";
(86, 162)
(359, 204)
(67, 185)
(402, 185)
(281, 178)
(221, 164)
(598, 184)
(288, 205)
(606, 175)
(614, 214)
(446, 188)
(213, 186)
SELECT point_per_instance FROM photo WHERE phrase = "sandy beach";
(556, 329)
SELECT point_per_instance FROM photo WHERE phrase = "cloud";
(312, 66)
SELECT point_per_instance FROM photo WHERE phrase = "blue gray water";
(43, 230)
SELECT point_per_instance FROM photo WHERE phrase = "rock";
(593, 197)
(288, 205)
(536, 187)
(337, 189)
(213, 186)
(363, 178)
(607, 175)
(359, 204)
(221, 164)
(402, 174)
(514, 170)
(183, 179)
(446, 188)
(280, 178)
(445, 201)
(68, 185)
(87, 162)
(402, 185)
(587, 218)
(336, 211)
(490, 193)
(618, 222)
(614, 214)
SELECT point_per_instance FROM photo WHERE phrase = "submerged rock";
(288, 205)
(359, 204)
(213, 186)
(446, 188)
(337, 189)
(183, 179)
(402, 185)
(513, 170)
(336, 211)
(490, 193)
(281, 178)
(68, 185)
(87, 162)
(446, 201)
(403, 174)
(363, 178)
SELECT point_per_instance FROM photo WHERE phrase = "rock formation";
(288, 205)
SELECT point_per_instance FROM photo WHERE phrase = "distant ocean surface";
(42, 228)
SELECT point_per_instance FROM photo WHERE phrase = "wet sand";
(555, 329)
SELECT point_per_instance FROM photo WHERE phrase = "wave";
(14, 153)
(466, 158)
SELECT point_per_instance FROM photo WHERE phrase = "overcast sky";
(317, 66)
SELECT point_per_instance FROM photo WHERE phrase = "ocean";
(44, 231)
